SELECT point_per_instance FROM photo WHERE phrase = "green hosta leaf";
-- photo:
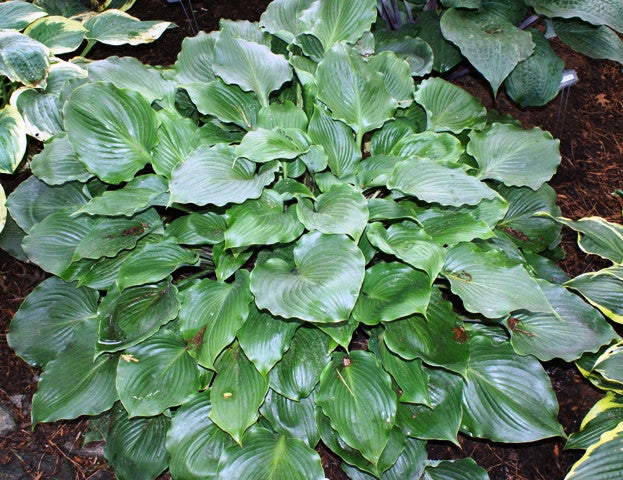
(292, 418)
(386, 140)
(398, 81)
(194, 442)
(496, 403)
(338, 21)
(415, 51)
(12, 139)
(391, 291)
(376, 170)
(250, 65)
(341, 333)
(268, 456)
(442, 419)
(514, 156)
(51, 244)
(24, 60)
(112, 131)
(73, 383)
(135, 447)
(449, 108)
(522, 84)
(33, 201)
(602, 459)
(594, 41)
(18, 15)
(213, 175)
(443, 146)
(545, 336)
(282, 115)
(319, 282)
(428, 181)
(462, 3)
(153, 263)
(47, 319)
(342, 209)
(463, 469)
(337, 141)
(355, 393)
(409, 242)
(353, 91)
(603, 289)
(237, 393)
(59, 34)
(227, 263)
(286, 18)
(604, 416)
(598, 12)
(244, 29)
(11, 237)
(129, 317)
(298, 372)
(211, 314)
(194, 62)
(598, 236)
(114, 27)
(492, 44)
(491, 284)
(58, 163)
(64, 78)
(197, 229)
(445, 54)
(265, 338)
(65, 8)
(263, 145)
(438, 338)
(156, 374)
(387, 209)
(42, 112)
(229, 103)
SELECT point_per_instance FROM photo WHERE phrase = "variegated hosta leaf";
(114, 27)
(603, 289)
(64, 8)
(610, 364)
(265, 455)
(17, 15)
(598, 12)
(59, 34)
(594, 41)
(12, 139)
(492, 44)
(598, 236)
(604, 416)
(355, 393)
(237, 392)
(42, 112)
(211, 314)
(601, 459)
(24, 60)
(46, 321)
(449, 108)
(111, 130)
(318, 282)
(514, 156)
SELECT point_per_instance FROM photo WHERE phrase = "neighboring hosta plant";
(281, 240)
(31, 35)
(493, 36)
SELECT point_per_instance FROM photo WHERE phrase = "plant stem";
(87, 49)
(531, 20)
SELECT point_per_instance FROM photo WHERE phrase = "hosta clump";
(281, 240)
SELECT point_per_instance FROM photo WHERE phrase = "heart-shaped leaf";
(197, 229)
(58, 163)
(338, 21)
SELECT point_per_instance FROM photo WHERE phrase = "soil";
(590, 171)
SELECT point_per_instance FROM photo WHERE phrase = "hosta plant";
(282, 240)
(493, 35)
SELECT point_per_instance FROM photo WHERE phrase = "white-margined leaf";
(114, 27)
(601, 458)
(598, 236)
(12, 139)
(17, 15)
(59, 34)
(24, 60)
(603, 289)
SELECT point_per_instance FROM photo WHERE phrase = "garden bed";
(589, 172)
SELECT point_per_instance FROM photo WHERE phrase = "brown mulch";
(590, 171)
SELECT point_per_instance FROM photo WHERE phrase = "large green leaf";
(194, 62)
(355, 393)
(135, 314)
(535, 80)
(268, 456)
(445, 54)
(576, 328)
(598, 236)
(23, 60)
(598, 12)
(415, 51)
(602, 459)
(42, 112)
(59, 34)
(58, 163)
(292, 418)
(492, 44)
(282, 115)
(490, 283)
(463, 469)
(237, 392)
(341, 209)
(251, 66)
(353, 91)
(156, 374)
(47, 319)
(391, 291)
(74, 383)
(264, 145)
(194, 443)
(398, 81)
(135, 447)
(286, 18)
(65, 8)
(603, 289)
(446, 148)
(18, 15)
(318, 282)
(604, 416)
(197, 229)
(449, 108)
(213, 175)
(496, 403)
(111, 130)
(594, 41)
(338, 21)
(114, 27)
(12, 139)
(514, 156)
(211, 314)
